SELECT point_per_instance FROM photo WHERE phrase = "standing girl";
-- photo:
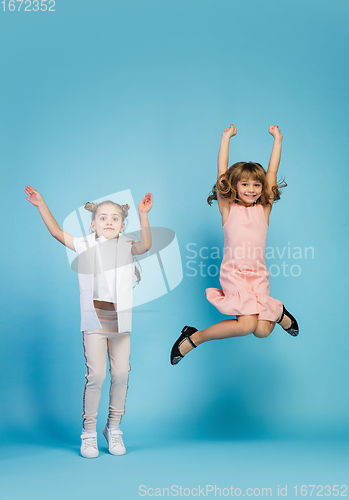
(106, 271)
(245, 193)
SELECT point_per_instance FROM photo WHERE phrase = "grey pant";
(97, 344)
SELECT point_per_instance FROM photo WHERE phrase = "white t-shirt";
(104, 288)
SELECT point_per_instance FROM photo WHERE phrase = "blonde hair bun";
(125, 209)
(91, 207)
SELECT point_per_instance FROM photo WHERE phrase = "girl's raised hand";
(34, 197)
(275, 132)
(230, 131)
(145, 204)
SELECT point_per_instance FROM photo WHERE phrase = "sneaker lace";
(116, 438)
(90, 442)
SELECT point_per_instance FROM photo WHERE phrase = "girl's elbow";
(58, 235)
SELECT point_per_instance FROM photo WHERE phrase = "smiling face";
(108, 222)
(248, 191)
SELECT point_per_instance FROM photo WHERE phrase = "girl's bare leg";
(286, 322)
(242, 325)
(264, 328)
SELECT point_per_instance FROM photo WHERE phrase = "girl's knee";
(248, 324)
(119, 377)
(263, 329)
(96, 378)
(261, 334)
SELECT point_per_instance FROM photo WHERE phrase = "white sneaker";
(114, 440)
(89, 448)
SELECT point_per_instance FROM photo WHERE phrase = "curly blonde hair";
(226, 184)
(123, 210)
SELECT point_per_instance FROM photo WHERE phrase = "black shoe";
(176, 356)
(293, 330)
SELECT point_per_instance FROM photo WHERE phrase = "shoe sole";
(85, 456)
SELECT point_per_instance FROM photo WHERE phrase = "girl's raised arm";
(274, 161)
(223, 155)
(144, 207)
(222, 164)
(37, 200)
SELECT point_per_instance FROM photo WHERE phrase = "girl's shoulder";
(82, 243)
(126, 241)
(127, 238)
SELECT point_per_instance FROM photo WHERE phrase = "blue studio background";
(101, 97)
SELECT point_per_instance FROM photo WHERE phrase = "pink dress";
(244, 276)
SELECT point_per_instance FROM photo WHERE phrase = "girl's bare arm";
(222, 164)
(144, 244)
(37, 200)
(274, 161)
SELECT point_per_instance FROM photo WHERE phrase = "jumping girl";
(106, 273)
(245, 193)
